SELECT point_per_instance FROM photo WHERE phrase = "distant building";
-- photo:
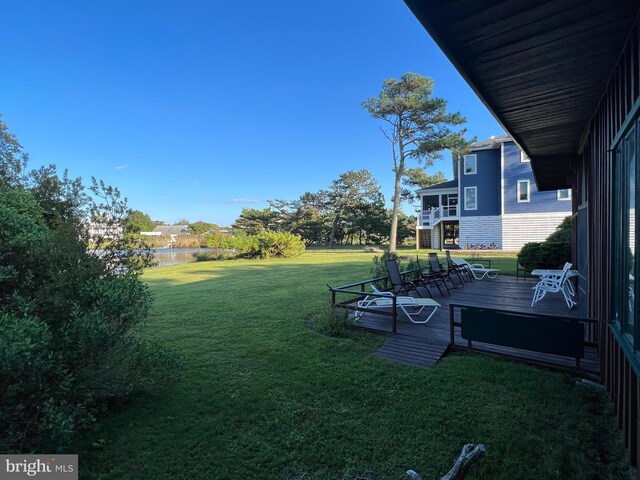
(171, 231)
(104, 230)
(493, 202)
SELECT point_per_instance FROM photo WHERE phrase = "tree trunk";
(334, 226)
(399, 171)
(393, 236)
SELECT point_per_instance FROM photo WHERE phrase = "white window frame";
(524, 157)
(518, 192)
(466, 189)
(475, 164)
(560, 199)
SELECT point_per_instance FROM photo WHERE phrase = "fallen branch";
(469, 455)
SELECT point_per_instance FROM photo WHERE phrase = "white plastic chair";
(476, 269)
(555, 283)
(402, 302)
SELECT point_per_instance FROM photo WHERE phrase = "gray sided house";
(563, 78)
(493, 202)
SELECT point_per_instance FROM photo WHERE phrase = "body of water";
(173, 256)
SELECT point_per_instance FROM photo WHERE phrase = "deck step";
(414, 351)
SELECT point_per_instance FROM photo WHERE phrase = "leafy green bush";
(67, 329)
(333, 322)
(68, 314)
(279, 244)
(29, 366)
(245, 246)
(554, 252)
(412, 264)
(266, 244)
(379, 267)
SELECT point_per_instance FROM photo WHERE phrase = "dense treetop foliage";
(138, 221)
(351, 210)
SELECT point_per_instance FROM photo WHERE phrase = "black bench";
(553, 335)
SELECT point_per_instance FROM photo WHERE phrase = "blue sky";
(198, 108)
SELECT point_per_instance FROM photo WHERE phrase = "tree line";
(350, 211)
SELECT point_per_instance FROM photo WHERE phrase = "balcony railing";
(430, 218)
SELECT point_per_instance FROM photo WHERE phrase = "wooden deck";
(424, 344)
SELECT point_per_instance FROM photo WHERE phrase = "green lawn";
(264, 397)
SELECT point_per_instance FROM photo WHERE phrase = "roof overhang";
(541, 68)
(437, 191)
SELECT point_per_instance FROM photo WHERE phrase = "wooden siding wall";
(521, 228)
(596, 163)
(486, 230)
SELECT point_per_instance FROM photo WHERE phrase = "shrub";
(279, 244)
(554, 252)
(29, 365)
(68, 318)
(209, 256)
(215, 239)
(244, 245)
(266, 244)
(379, 268)
(412, 264)
(333, 322)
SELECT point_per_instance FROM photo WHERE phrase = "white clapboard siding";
(484, 230)
(521, 228)
(436, 237)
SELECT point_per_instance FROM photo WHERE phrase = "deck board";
(420, 344)
(412, 351)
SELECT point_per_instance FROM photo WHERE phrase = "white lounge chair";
(404, 303)
(476, 269)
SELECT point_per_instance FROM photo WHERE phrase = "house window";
(470, 164)
(625, 268)
(430, 201)
(523, 190)
(523, 156)
(470, 198)
(564, 194)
